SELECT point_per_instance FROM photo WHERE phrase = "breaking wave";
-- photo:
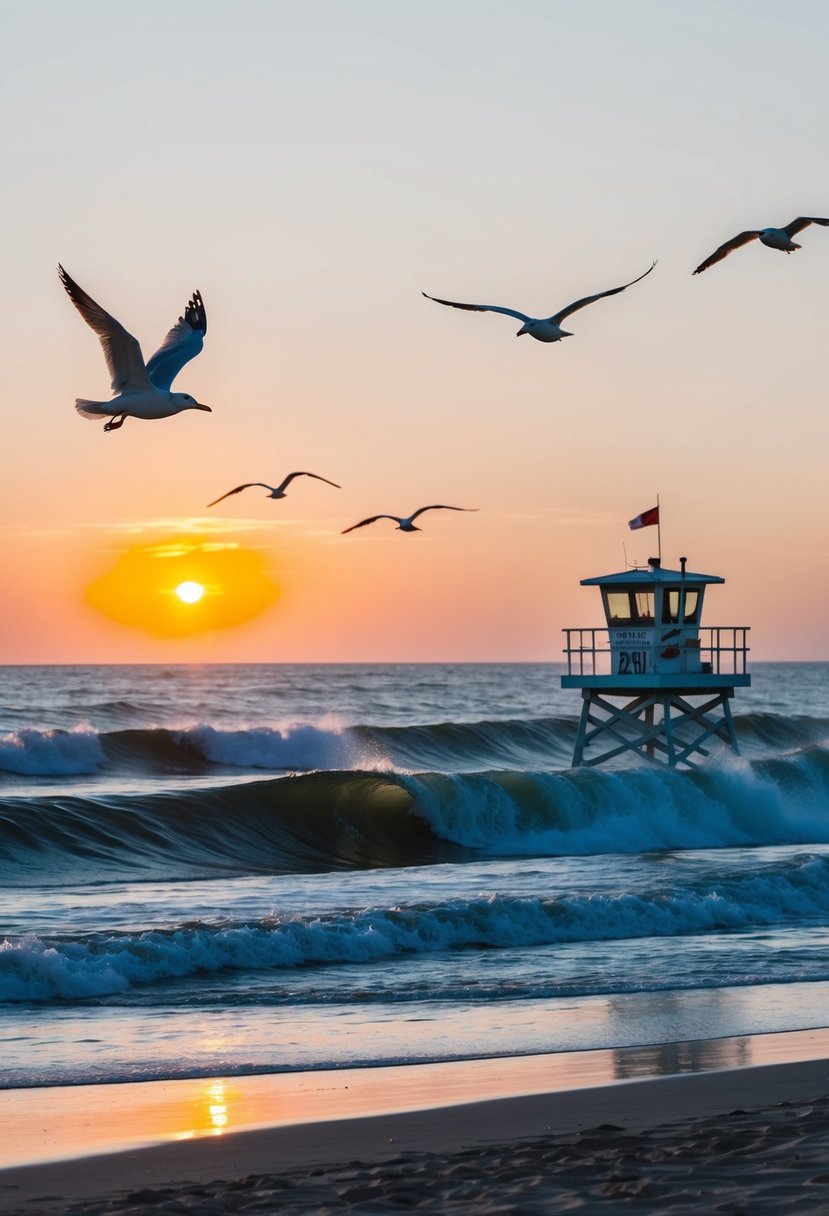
(102, 964)
(519, 744)
(357, 819)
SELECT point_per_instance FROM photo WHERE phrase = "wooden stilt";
(653, 725)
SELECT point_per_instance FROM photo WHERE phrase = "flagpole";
(658, 530)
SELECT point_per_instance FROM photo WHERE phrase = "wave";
(519, 744)
(56, 753)
(290, 747)
(317, 822)
(641, 809)
(160, 751)
(312, 822)
(467, 746)
(776, 732)
(98, 965)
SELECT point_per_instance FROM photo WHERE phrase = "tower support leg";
(662, 724)
(584, 718)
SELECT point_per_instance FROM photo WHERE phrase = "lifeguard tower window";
(672, 608)
(629, 607)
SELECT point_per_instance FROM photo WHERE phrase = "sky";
(312, 169)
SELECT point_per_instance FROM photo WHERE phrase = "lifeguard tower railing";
(720, 650)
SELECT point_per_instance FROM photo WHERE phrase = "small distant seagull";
(545, 329)
(274, 491)
(141, 390)
(406, 523)
(775, 238)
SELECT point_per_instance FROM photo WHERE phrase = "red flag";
(646, 519)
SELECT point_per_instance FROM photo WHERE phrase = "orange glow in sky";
(183, 585)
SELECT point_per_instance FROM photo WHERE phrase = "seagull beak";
(522, 330)
(204, 407)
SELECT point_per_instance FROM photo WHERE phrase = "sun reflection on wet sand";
(207, 1111)
(217, 1107)
(62, 1123)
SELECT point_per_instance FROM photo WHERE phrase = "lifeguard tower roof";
(650, 574)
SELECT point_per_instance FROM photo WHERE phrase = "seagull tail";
(92, 409)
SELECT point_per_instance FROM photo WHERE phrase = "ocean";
(224, 870)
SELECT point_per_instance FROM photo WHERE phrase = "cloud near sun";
(154, 586)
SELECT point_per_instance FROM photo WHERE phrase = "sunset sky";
(312, 168)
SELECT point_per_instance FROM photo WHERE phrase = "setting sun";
(189, 592)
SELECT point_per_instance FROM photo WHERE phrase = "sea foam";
(47, 753)
(292, 746)
(34, 968)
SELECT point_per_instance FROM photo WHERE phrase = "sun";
(190, 592)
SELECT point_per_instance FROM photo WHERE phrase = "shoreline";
(301, 1122)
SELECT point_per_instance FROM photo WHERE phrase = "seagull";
(140, 390)
(545, 329)
(274, 491)
(775, 238)
(406, 523)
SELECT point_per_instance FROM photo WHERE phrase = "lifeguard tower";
(655, 680)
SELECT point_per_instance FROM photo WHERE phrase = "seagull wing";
(558, 317)
(238, 490)
(736, 241)
(439, 506)
(121, 350)
(183, 343)
(291, 477)
(372, 519)
(510, 312)
(803, 221)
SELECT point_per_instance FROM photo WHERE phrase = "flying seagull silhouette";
(140, 390)
(274, 491)
(545, 329)
(405, 523)
(774, 238)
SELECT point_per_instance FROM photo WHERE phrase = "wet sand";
(740, 1136)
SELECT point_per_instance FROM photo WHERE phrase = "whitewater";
(266, 868)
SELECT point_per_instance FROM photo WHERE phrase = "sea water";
(265, 868)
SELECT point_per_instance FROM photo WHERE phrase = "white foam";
(294, 746)
(51, 752)
(579, 812)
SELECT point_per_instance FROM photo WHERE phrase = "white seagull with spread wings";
(774, 238)
(405, 523)
(274, 491)
(544, 329)
(140, 390)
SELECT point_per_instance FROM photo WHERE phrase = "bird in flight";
(405, 523)
(544, 329)
(274, 491)
(140, 390)
(774, 238)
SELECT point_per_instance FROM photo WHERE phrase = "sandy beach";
(741, 1138)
